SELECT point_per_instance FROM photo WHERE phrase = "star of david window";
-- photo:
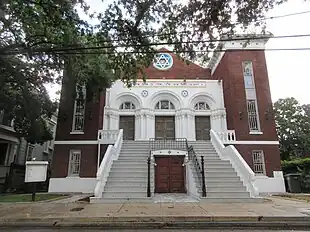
(127, 106)
(163, 61)
(164, 105)
(201, 106)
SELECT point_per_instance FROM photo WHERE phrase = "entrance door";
(127, 123)
(203, 126)
(169, 175)
(164, 127)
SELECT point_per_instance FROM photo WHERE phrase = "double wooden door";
(127, 123)
(165, 127)
(169, 174)
(203, 126)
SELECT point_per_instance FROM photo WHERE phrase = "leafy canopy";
(293, 127)
(39, 38)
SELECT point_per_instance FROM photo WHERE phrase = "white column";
(191, 126)
(150, 126)
(137, 126)
(177, 126)
(143, 127)
(114, 121)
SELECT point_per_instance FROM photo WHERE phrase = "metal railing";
(164, 144)
(200, 168)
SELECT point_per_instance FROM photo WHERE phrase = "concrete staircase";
(128, 176)
(222, 181)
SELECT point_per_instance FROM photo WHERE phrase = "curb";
(160, 222)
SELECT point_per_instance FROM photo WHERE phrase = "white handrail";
(103, 172)
(243, 170)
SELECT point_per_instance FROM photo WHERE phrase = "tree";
(29, 26)
(40, 38)
(293, 127)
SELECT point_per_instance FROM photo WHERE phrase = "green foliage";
(301, 165)
(293, 127)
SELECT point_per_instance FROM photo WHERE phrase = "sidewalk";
(274, 210)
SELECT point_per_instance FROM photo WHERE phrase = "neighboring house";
(15, 150)
(179, 109)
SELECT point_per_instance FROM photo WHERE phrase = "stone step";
(121, 200)
(228, 194)
(121, 183)
(113, 189)
(226, 189)
(130, 162)
(122, 194)
(127, 174)
(129, 179)
(131, 170)
(130, 166)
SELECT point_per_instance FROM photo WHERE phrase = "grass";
(27, 197)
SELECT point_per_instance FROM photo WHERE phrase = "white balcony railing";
(110, 155)
(243, 170)
(107, 136)
(228, 136)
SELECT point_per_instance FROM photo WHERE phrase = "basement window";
(258, 162)
(74, 163)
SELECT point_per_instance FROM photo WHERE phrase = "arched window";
(164, 105)
(127, 106)
(201, 106)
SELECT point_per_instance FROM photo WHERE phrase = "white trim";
(72, 142)
(256, 133)
(76, 132)
(254, 142)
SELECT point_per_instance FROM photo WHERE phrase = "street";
(159, 230)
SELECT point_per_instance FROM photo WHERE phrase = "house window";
(127, 106)
(258, 162)
(164, 105)
(79, 110)
(248, 74)
(30, 151)
(74, 163)
(253, 115)
(202, 106)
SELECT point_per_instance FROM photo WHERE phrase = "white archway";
(166, 95)
(127, 97)
(202, 97)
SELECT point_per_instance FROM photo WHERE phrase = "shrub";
(301, 165)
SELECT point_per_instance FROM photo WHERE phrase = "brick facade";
(230, 72)
(88, 164)
(271, 156)
(179, 70)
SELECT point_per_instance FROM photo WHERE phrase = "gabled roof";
(181, 69)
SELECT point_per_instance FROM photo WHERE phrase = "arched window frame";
(127, 105)
(161, 105)
(201, 105)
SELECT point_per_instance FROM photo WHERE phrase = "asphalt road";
(162, 230)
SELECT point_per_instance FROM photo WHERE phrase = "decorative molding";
(76, 142)
(76, 132)
(169, 84)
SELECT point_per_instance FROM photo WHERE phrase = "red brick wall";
(89, 157)
(93, 114)
(271, 155)
(230, 71)
(179, 70)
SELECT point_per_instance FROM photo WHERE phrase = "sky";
(288, 70)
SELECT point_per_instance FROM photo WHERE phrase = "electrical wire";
(58, 50)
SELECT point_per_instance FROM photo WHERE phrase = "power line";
(286, 15)
(53, 50)
(184, 51)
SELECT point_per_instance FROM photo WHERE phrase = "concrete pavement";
(272, 212)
